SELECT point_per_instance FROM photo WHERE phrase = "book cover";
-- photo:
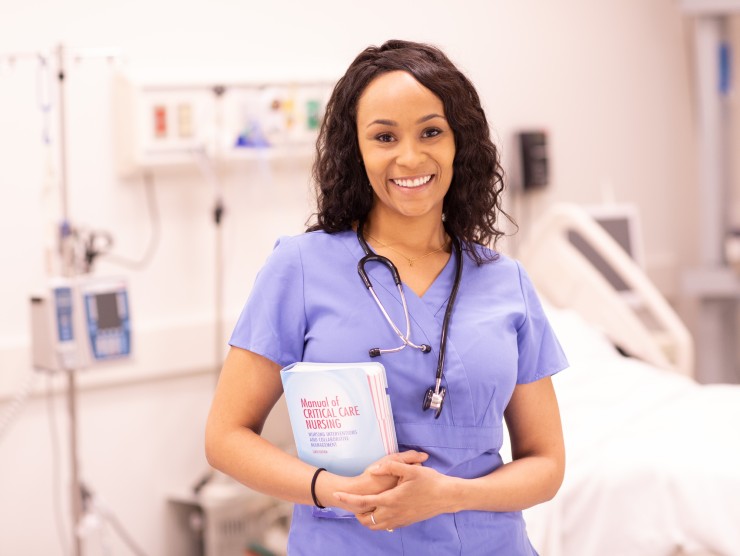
(340, 414)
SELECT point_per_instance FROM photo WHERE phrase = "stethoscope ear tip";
(426, 348)
(374, 352)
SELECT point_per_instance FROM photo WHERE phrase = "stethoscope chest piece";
(434, 400)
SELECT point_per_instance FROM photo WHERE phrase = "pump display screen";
(107, 308)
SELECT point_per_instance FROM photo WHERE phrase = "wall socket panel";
(165, 124)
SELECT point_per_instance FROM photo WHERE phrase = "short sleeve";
(540, 353)
(273, 321)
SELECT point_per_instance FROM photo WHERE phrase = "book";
(340, 414)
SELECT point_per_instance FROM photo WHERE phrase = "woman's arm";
(534, 475)
(248, 388)
(538, 453)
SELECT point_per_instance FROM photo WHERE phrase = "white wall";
(608, 80)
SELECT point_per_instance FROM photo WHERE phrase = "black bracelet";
(313, 488)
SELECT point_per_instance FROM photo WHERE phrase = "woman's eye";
(432, 132)
(384, 137)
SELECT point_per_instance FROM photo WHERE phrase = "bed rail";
(566, 279)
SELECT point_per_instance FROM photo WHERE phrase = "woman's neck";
(414, 236)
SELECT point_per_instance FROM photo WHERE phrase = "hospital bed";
(653, 457)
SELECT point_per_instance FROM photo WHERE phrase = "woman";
(405, 165)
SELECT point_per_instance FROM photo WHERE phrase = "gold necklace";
(412, 260)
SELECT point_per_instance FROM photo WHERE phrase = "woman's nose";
(410, 154)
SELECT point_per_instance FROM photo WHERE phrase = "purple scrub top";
(309, 304)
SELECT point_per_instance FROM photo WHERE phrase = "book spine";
(382, 402)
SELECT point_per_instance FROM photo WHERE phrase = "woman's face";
(407, 145)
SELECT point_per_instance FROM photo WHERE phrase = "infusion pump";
(80, 322)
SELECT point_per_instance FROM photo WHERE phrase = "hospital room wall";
(733, 108)
(609, 81)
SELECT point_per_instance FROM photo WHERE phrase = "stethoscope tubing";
(448, 310)
(374, 257)
(404, 337)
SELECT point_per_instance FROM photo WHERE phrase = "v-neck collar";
(426, 315)
(434, 298)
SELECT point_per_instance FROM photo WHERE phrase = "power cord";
(99, 243)
(59, 521)
(16, 404)
(96, 510)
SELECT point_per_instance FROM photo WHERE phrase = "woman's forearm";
(515, 486)
(250, 459)
(262, 466)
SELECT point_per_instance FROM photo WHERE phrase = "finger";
(395, 468)
(378, 522)
(410, 457)
(357, 503)
(365, 518)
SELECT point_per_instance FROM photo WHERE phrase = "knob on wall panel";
(160, 124)
(534, 158)
(163, 123)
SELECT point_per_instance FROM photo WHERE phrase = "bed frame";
(650, 331)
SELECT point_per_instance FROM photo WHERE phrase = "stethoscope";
(434, 396)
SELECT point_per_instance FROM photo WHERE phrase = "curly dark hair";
(473, 203)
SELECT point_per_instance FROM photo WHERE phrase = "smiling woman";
(472, 207)
(406, 174)
(408, 149)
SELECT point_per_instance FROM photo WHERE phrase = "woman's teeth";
(413, 183)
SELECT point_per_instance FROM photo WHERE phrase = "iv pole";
(68, 270)
(79, 494)
(66, 255)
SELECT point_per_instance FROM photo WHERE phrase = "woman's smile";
(407, 146)
(412, 183)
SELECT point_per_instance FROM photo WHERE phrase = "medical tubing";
(59, 521)
(370, 257)
(16, 404)
(155, 234)
(108, 516)
(375, 352)
(387, 317)
(423, 347)
(406, 314)
(448, 312)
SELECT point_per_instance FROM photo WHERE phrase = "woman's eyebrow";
(393, 123)
(429, 117)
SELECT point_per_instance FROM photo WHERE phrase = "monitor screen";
(107, 305)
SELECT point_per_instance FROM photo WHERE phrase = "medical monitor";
(622, 223)
(80, 322)
(106, 305)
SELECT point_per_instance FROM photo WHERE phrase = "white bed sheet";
(653, 458)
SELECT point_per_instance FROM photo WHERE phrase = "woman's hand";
(372, 482)
(369, 481)
(419, 493)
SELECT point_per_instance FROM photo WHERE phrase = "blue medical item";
(725, 68)
(307, 304)
(434, 396)
(81, 322)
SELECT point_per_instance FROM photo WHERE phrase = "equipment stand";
(76, 486)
